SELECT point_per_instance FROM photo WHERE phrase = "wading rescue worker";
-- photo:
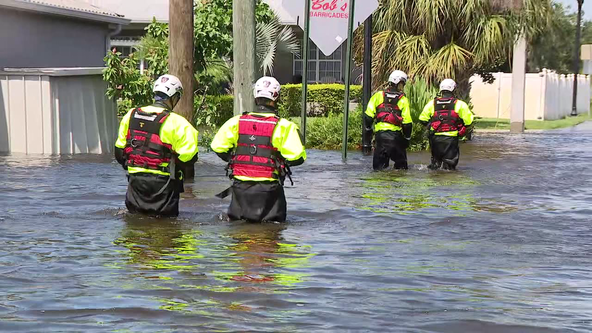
(154, 145)
(447, 119)
(389, 112)
(260, 148)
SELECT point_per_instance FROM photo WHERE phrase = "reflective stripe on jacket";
(461, 108)
(175, 131)
(376, 101)
(285, 139)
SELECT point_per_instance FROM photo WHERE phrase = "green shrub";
(419, 93)
(327, 132)
(214, 111)
(324, 99)
(328, 99)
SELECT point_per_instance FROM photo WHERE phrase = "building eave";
(72, 13)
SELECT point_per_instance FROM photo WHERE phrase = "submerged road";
(502, 245)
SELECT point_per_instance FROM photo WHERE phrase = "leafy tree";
(213, 52)
(553, 48)
(449, 38)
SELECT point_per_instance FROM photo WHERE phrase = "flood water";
(502, 245)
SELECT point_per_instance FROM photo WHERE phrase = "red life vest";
(445, 118)
(389, 111)
(255, 155)
(144, 147)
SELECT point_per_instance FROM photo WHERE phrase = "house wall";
(284, 67)
(36, 40)
(64, 114)
(548, 96)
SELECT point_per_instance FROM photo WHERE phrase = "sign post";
(305, 70)
(352, 6)
(328, 23)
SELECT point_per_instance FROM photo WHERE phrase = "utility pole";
(348, 59)
(305, 55)
(181, 50)
(181, 53)
(243, 32)
(574, 102)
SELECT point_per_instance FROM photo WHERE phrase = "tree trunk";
(244, 54)
(181, 52)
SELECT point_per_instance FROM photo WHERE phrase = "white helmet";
(398, 76)
(267, 87)
(168, 85)
(448, 85)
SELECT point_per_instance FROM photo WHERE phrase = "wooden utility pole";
(244, 54)
(181, 51)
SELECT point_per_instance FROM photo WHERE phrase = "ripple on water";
(502, 245)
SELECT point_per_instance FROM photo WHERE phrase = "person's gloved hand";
(462, 131)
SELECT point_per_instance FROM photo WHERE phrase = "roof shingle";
(75, 5)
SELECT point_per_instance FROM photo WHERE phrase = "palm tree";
(450, 38)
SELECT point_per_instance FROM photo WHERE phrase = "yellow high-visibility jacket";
(378, 99)
(285, 138)
(461, 108)
(175, 130)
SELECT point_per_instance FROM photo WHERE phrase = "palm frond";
(273, 37)
(448, 62)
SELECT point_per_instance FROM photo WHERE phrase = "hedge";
(324, 100)
(214, 111)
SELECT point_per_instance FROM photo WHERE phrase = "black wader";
(445, 152)
(390, 145)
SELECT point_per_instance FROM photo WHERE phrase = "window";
(321, 68)
(125, 45)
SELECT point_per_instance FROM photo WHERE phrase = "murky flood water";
(502, 245)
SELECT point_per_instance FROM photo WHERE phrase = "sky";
(587, 7)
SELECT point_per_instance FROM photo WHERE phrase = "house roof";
(138, 11)
(71, 8)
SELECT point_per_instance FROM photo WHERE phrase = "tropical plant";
(273, 37)
(213, 52)
(449, 38)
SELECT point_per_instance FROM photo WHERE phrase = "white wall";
(548, 96)
(56, 112)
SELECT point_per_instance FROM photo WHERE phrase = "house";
(52, 95)
(55, 33)
(140, 13)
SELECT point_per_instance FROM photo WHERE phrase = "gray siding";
(35, 40)
(283, 68)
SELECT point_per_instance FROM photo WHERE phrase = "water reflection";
(174, 255)
(263, 255)
(405, 192)
(161, 244)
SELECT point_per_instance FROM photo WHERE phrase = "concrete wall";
(548, 96)
(59, 112)
(30, 40)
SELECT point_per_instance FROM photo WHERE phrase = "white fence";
(548, 96)
(56, 111)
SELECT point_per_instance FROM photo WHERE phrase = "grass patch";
(504, 124)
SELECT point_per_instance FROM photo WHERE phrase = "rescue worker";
(389, 112)
(154, 145)
(260, 148)
(447, 119)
